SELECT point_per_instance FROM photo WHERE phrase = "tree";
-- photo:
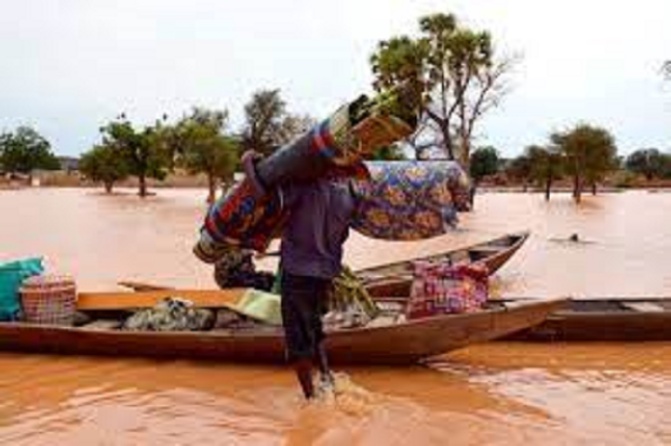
(268, 125)
(547, 166)
(589, 152)
(520, 169)
(24, 150)
(104, 164)
(484, 161)
(293, 126)
(205, 148)
(648, 162)
(454, 75)
(144, 151)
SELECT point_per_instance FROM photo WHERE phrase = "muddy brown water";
(498, 393)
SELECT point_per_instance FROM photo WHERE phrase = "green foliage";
(547, 166)
(453, 73)
(389, 153)
(25, 150)
(204, 148)
(144, 151)
(624, 179)
(104, 164)
(649, 162)
(293, 126)
(484, 161)
(520, 169)
(589, 152)
(400, 61)
(268, 125)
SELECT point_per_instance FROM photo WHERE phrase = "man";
(311, 253)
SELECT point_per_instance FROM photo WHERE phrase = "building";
(68, 164)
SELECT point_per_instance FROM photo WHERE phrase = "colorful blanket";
(411, 200)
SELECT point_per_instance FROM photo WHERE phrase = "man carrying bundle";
(311, 253)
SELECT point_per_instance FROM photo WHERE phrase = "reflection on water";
(503, 393)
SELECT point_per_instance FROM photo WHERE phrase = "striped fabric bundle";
(240, 220)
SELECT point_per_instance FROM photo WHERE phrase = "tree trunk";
(447, 142)
(548, 186)
(594, 188)
(212, 188)
(465, 156)
(143, 185)
(577, 189)
(471, 195)
(108, 186)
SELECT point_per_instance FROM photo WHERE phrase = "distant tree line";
(651, 163)
(199, 142)
(583, 155)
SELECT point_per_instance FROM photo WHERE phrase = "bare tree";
(458, 76)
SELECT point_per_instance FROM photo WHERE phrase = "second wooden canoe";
(605, 319)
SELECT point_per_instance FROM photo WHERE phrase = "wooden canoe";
(606, 319)
(394, 279)
(382, 343)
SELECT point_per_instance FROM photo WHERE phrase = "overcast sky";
(67, 67)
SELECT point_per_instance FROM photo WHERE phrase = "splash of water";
(345, 395)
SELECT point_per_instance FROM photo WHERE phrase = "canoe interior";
(485, 251)
(120, 300)
(396, 279)
(607, 319)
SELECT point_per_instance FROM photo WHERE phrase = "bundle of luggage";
(171, 314)
(29, 295)
(405, 200)
(443, 289)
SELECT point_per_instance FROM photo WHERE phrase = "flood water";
(498, 393)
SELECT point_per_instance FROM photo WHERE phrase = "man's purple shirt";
(320, 214)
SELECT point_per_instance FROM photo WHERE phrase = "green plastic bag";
(12, 275)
